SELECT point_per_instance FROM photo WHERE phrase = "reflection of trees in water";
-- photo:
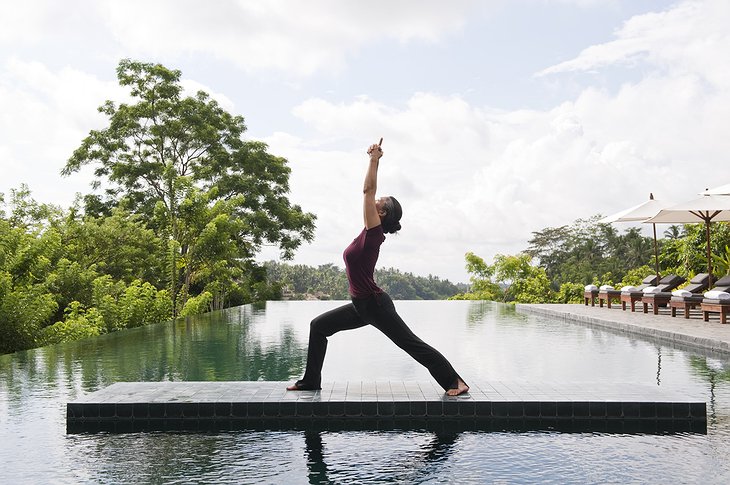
(712, 371)
(215, 346)
(412, 467)
(477, 310)
(279, 362)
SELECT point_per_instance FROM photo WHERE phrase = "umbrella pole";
(656, 255)
(709, 255)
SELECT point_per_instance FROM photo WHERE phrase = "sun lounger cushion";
(699, 278)
(696, 287)
(670, 282)
(717, 295)
(724, 282)
(650, 280)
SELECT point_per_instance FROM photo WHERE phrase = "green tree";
(524, 282)
(583, 251)
(119, 245)
(166, 152)
(674, 232)
(78, 323)
(52, 287)
(686, 255)
(480, 276)
(28, 214)
(26, 259)
(509, 279)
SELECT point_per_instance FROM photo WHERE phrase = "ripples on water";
(485, 341)
(390, 457)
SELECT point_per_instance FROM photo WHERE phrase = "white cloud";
(691, 38)
(45, 116)
(22, 22)
(298, 37)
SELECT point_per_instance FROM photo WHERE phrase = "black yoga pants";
(378, 311)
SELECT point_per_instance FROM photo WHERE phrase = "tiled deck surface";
(135, 406)
(693, 332)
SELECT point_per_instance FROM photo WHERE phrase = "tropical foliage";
(559, 261)
(180, 207)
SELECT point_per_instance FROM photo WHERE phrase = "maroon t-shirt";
(360, 258)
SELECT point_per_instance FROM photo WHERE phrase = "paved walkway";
(693, 332)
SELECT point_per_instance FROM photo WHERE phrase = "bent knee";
(317, 325)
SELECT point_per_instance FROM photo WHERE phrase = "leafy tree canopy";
(181, 162)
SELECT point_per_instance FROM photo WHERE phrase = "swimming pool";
(483, 340)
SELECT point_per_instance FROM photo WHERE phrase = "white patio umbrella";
(640, 213)
(721, 190)
(707, 208)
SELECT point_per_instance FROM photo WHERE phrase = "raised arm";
(370, 210)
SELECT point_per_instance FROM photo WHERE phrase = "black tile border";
(581, 425)
(593, 415)
(264, 405)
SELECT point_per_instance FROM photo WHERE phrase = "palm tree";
(674, 232)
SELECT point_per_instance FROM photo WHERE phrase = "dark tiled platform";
(201, 406)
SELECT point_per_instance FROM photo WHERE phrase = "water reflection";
(713, 371)
(413, 467)
(318, 471)
(216, 347)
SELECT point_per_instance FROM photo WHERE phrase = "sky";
(499, 117)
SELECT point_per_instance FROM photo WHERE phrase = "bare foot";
(300, 386)
(461, 388)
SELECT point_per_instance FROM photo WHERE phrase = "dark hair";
(393, 213)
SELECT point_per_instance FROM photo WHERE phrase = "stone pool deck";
(202, 406)
(692, 333)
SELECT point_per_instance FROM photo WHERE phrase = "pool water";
(485, 341)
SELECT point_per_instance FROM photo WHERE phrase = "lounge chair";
(660, 295)
(608, 293)
(716, 302)
(632, 294)
(590, 293)
(689, 302)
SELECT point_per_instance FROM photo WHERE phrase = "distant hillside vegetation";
(329, 282)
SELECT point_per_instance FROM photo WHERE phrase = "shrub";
(197, 304)
(77, 324)
(570, 293)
